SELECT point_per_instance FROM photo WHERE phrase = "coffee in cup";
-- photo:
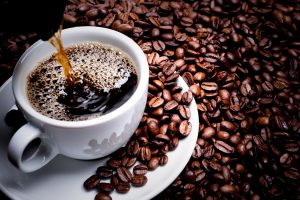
(104, 78)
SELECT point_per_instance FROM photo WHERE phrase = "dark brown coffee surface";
(103, 74)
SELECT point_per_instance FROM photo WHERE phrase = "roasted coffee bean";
(91, 182)
(139, 180)
(153, 127)
(123, 187)
(133, 148)
(185, 128)
(226, 125)
(140, 169)
(166, 95)
(124, 174)
(171, 105)
(199, 76)
(156, 102)
(209, 86)
(223, 147)
(108, 20)
(208, 133)
(103, 196)
(105, 187)
(14, 118)
(159, 45)
(223, 135)
(113, 163)
(227, 189)
(187, 97)
(188, 78)
(163, 159)
(169, 69)
(179, 52)
(104, 172)
(128, 161)
(145, 153)
(184, 111)
(262, 121)
(153, 163)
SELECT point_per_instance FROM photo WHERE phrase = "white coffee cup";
(42, 138)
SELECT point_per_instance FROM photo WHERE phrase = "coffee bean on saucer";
(105, 187)
(91, 182)
(103, 196)
(139, 180)
(14, 118)
(122, 187)
(104, 172)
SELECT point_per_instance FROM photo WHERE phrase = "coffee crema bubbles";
(105, 78)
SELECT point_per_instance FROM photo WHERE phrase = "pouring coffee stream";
(45, 19)
(61, 55)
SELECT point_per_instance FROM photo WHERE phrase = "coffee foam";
(106, 67)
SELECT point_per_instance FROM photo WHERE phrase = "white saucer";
(63, 177)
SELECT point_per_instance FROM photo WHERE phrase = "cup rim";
(142, 85)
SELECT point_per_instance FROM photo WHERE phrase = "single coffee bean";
(179, 52)
(91, 182)
(166, 94)
(223, 135)
(103, 196)
(109, 19)
(208, 133)
(140, 169)
(124, 174)
(105, 187)
(227, 189)
(139, 180)
(169, 69)
(145, 153)
(156, 102)
(184, 111)
(133, 148)
(226, 174)
(171, 105)
(153, 163)
(159, 45)
(185, 128)
(223, 147)
(188, 78)
(262, 121)
(209, 86)
(128, 161)
(122, 187)
(164, 159)
(153, 127)
(187, 97)
(113, 163)
(104, 172)
(114, 180)
(228, 126)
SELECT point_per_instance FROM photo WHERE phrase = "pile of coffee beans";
(241, 62)
(164, 123)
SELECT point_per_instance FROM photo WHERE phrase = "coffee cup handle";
(29, 149)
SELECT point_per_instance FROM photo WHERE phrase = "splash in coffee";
(105, 78)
